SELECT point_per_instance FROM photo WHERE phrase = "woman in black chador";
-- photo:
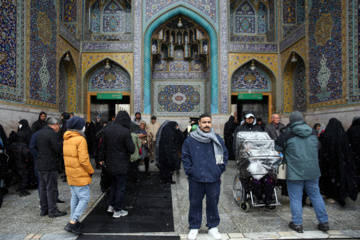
(338, 177)
(353, 134)
(228, 136)
(170, 143)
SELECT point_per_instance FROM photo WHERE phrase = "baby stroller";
(255, 158)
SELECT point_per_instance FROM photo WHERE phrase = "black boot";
(56, 213)
(73, 228)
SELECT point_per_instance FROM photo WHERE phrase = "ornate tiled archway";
(214, 54)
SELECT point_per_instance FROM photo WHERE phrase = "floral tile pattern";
(113, 79)
(327, 53)
(244, 79)
(179, 98)
(43, 42)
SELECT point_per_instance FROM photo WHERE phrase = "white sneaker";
(110, 209)
(192, 234)
(121, 213)
(214, 232)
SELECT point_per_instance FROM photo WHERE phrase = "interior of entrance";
(259, 107)
(108, 108)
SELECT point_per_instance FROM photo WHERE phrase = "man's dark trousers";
(197, 191)
(117, 192)
(48, 189)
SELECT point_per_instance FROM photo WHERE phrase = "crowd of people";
(320, 161)
(34, 157)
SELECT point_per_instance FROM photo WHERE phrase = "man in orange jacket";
(78, 170)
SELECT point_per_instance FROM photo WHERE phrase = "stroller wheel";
(238, 190)
(244, 206)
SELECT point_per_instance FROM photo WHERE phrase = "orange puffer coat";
(76, 157)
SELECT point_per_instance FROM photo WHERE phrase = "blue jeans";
(80, 197)
(295, 190)
(197, 191)
(117, 192)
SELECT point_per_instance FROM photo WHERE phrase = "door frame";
(264, 94)
(89, 94)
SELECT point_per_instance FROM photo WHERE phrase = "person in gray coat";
(299, 143)
(273, 128)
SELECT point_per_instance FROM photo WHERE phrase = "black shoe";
(79, 224)
(24, 194)
(151, 161)
(324, 226)
(297, 228)
(56, 213)
(73, 228)
(60, 201)
(171, 182)
(44, 213)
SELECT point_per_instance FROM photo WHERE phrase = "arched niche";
(115, 78)
(295, 92)
(260, 80)
(108, 20)
(67, 84)
(181, 10)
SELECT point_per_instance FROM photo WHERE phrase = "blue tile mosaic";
(244, 79)
(208, 7)
(299, 80)
(242, 38)
(43, 34)
(70, 8)
(325, 51)
(95, 17)
(8, 44)
(289, 11)
(113, 79)
(179, 66)
(179, 98)
(263, 19)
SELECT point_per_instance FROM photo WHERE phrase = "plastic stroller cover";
(255, 154)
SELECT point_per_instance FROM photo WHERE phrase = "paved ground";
(19, 217)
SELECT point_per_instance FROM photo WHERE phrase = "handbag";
(281, 171)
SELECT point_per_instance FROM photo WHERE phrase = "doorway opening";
(260, 108)
(106, 109)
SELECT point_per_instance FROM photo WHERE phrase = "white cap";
(249, 115)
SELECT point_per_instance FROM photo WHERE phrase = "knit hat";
(75, 123)
(296, 117)
(66, 115)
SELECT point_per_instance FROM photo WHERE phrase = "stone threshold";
(331, 234)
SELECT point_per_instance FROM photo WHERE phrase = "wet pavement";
(20, 217)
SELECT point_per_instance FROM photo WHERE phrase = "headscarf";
(338, 180)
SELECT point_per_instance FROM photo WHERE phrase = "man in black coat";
(49, 146)
(40, 123)
(116, 148)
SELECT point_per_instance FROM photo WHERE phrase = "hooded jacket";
(117, 145)
(76, 158)
(26, 129)
(38, 124)
(246, 128)
(19, 150)
(299, 143)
